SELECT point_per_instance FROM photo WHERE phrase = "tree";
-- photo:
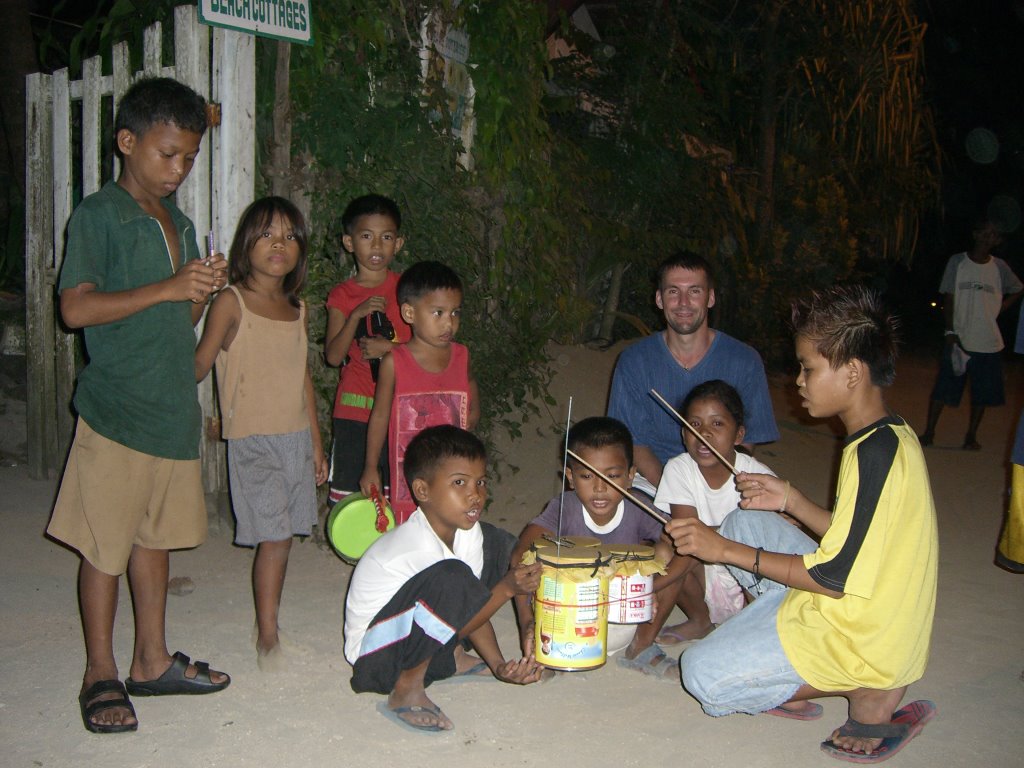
(789, 142)
(16, 41)
(368, 120)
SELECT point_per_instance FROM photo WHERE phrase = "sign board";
(444, 53)
(289, 20)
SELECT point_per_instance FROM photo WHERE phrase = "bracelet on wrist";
(785, 497)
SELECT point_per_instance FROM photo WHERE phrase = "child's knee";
(453, 572)
(694, 673)
(742, 525)
(663, 552)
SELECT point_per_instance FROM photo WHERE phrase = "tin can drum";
(630, 591)
(566, 545)
(571, 611)
(619, 637)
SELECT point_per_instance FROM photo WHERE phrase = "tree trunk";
(281, 154)
(20, 55)
(767, 120)
(611, 304)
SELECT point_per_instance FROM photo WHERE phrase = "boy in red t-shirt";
(359, 311)
(424, 383)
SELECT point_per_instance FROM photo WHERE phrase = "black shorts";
(422, 620)
(348, 456)
(985, 371)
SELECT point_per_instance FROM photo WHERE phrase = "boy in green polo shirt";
(134, 281)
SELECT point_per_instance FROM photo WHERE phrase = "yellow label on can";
(571, 612)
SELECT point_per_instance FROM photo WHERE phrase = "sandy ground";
(606, 717)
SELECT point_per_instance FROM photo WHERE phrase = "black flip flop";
(87, 702)
(173, 681)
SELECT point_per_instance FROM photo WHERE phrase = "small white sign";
(290, 20)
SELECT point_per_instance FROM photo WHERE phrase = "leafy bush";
(365, 121)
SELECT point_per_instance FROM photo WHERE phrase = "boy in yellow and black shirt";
(852, 615)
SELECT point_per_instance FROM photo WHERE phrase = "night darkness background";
(975, 79)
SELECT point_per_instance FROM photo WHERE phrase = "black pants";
(422, 620)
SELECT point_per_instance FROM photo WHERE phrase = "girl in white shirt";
(697, 484)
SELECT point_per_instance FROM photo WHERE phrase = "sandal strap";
(203, 672)
(95, 705)
(182, 661)
(857, 730)
(101, 687)
(94, 708)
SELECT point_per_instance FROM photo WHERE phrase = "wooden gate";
(63, 164)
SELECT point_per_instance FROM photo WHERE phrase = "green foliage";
(367, 122)
(793, 155)
(633, 120)
(112, 21)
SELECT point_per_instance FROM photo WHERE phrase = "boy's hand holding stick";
(696, 434)
(691, 537)
(649, 510)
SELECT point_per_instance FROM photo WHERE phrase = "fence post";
(232, 185)
(234, 145)
(121, 68)
(64, 343)
(38, 257)
(192, 67)
(152, 50)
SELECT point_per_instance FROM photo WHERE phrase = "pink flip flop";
(906, 723)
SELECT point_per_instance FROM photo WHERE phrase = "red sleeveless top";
(422, 399)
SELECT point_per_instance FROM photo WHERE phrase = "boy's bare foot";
(868, 707)
(419, 711)
(468, 664)
(272, 659)
(684, 633)
(290, 646)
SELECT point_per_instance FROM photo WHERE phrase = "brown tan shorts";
(113, 497)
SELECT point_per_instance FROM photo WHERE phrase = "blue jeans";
(741, 667)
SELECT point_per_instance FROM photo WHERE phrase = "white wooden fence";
(215, 62)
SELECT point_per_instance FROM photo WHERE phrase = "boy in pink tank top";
(423, 383)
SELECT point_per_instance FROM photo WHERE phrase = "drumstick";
(696, 434)
(654, 513)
